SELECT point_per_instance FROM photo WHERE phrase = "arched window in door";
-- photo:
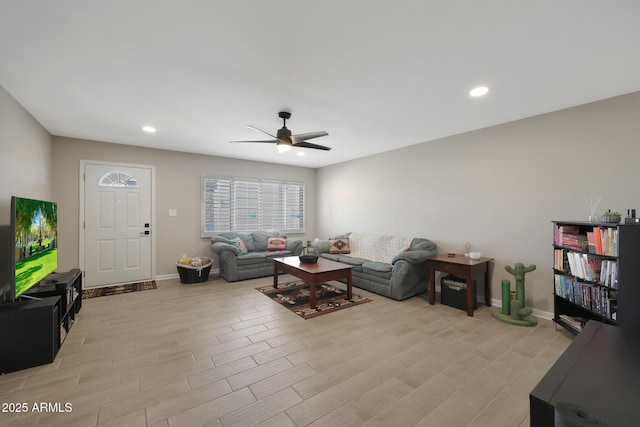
(117, 179)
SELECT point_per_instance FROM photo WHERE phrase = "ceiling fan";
(285, 141)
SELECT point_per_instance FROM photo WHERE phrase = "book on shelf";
(63, 333)
(575, 322)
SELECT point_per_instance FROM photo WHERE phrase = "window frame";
(264, 220)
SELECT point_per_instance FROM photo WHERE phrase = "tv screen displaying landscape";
(36, 241)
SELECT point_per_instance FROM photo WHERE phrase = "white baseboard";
(213, 271)
(167, 276)
(537, 313)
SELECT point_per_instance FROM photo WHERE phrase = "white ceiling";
(374, 75)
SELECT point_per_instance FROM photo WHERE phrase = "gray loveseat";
(257, 261)
(392, 266)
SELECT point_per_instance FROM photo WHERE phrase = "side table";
(462, 266)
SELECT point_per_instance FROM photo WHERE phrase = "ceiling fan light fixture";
(283, 146)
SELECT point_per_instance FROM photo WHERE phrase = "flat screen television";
(34, 227)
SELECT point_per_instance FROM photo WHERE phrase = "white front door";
(117, 224)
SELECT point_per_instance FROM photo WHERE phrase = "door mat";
(295, 296)
(118, 289)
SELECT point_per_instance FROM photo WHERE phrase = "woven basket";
(194, 274)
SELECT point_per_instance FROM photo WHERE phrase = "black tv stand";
(29, 297)
(34, 328)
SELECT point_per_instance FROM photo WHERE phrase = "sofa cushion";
(356, 263)
(339, 246)
(378, 269)
(260, 239)
(276, 243)
(239, 243)
(251, 258)
(332, 257)
(277, 254)
(352, 260)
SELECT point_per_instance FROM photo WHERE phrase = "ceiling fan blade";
(261, 131)
(310, 135)
(268, 141)
(310, 145)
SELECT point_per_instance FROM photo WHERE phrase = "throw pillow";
(276, 244)
(238, 243)
(339, 246)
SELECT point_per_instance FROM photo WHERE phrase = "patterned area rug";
(118, 289)
(295, 296)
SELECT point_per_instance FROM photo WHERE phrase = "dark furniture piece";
(29, 333)
(33, 329)
(461, 266)
(322, 271)
(614, 300)
(598, 373)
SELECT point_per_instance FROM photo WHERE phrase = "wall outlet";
(173, 212)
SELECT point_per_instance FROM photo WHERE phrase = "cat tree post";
(515, 312)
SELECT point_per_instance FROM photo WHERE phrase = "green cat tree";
(514, 311)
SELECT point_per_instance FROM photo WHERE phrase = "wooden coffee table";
(322, 271)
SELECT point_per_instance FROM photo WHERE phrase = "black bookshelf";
(68, 286)
(602, 280)
(33, 328)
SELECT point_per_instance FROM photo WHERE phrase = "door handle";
(142, 233)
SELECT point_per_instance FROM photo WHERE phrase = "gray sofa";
(257, 262)
(392, 266)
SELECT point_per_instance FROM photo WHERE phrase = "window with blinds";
(239, 204)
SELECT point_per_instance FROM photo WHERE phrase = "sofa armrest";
(219, 247)
(413, 256)
(320, 247)
(420, 251)
(293, 245)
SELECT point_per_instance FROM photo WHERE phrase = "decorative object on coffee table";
(308, 259)
(514, 311)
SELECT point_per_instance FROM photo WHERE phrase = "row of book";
(586, 267)
(603, 241)
(568, 236)
(598, 240)
(592, 297)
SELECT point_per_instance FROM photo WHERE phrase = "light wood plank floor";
(222, 354)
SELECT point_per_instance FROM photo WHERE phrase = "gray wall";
(25, 167)
(497, 188)
(177, 187)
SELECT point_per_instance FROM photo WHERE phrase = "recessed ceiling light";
(149, 129)
(301, 153)
(479, 91)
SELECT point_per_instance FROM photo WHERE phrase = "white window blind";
(238, 204)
